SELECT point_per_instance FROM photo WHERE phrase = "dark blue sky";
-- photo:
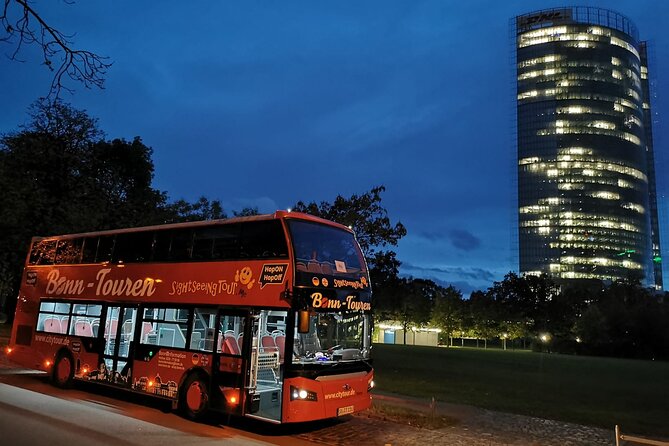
(267, 103)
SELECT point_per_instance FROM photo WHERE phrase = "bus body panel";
(243, 283)
(335, 396)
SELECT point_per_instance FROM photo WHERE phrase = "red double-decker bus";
(266, 316)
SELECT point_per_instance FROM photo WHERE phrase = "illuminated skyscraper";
(586, 175)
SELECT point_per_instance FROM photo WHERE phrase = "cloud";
(464, 240)
(478, 274)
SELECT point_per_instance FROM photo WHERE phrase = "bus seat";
(110, 328)
(83, 327)
(314, 267)
(268, 344)
(301, 266)
(240, 342)
(230, 345)
(280, 341)
(52, 325)
(327, 268)
(127, 330)
(64, 323)
(147, 328)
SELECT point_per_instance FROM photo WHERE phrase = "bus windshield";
(324, 249)
(333, 337)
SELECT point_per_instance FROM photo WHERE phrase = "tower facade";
(586, 179)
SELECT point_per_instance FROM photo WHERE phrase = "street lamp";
(545, 339)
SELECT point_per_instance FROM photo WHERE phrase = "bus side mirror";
(303, 321)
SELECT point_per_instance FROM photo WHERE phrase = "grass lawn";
(586, 390)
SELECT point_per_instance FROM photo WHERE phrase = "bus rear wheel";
(63, 371)
(194, 397)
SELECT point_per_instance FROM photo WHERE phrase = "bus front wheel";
(63, 370)
(194, 398)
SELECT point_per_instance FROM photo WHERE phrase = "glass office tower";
(586, 179)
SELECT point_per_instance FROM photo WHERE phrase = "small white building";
(394, 334)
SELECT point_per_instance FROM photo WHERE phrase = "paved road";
(34, 412)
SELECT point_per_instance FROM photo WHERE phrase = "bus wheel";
(63, 371)
(194, 398)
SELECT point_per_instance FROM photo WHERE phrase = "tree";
(525, 301)
(58, 175)
(246, 212)
(202, 209)
(625, 320)
(483, 316)
(447, 311)
(23, 25)
(410, 302)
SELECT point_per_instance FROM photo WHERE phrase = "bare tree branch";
(23, 26)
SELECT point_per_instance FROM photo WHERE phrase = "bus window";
(333, 337)
(325, 250)
(263, 239)
(89, 250)
(43, 252)
(105, 248)
(161, 246)
(226, 242)
(169, 327)
(202, 329)
(182, 244)
(53, 317)
(230, 335)
(85, 320)
(68, 251)
(133, 247)
(203, 243)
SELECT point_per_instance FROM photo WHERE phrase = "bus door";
(115, 366)
(264, 380)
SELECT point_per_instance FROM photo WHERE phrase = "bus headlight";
(370, 385)
(302, 394)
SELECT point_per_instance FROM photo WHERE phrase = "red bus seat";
(83, 327)
(229, 345)
(268, 344)
(314, 267)
(147, 328)
(280, 341)
(52, 325)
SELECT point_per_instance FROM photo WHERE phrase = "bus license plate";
(344, 410)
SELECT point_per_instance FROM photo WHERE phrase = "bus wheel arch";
(62, 374)
(194, 395)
